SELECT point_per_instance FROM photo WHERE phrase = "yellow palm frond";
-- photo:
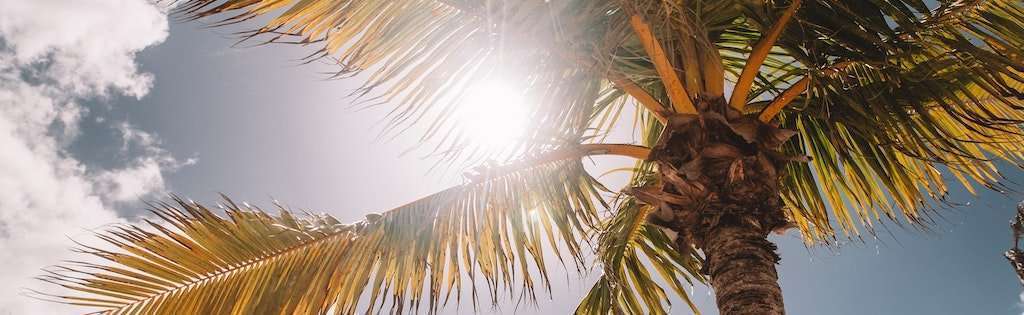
(419, 56)
(251, 262)
(890, 99)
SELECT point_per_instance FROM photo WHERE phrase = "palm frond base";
(717, 164)
(719, 189)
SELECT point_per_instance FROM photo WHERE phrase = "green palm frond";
(630, 248)
(888, 35)
(893, 170)
(252, 262)
(899, 94)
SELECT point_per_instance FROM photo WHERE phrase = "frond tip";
(201, 260)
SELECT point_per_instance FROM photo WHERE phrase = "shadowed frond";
(630, 248)
(419, 254)
(881, 171)
(887, 97)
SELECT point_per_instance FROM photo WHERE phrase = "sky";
(104, 103)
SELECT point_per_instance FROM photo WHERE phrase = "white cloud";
(144, 175)
(91, 43)
(131, 183)
(1020, 302)
(54, 54)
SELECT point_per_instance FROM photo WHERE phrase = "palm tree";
(1014, 254)
(828, 116)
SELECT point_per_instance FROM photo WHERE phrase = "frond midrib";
(635, 151)
(236, 269)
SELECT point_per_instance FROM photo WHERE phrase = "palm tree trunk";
(719, 189)
(741, 262)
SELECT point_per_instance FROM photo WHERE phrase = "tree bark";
(741, 262)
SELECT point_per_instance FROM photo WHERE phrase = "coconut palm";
(1014, 254)
(827, 116)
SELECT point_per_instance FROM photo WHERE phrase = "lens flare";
(492, 116)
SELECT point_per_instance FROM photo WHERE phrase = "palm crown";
(832, 114)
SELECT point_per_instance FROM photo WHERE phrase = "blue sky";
(256, 125)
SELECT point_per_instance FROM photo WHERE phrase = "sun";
(492, 115)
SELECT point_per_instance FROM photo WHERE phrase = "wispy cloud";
(53, 55)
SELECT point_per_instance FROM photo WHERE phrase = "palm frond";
(758, 54)
(630, 248)
(677, 94)
(418, 255)
(885, 95)
(893, 170)
(420, 56)
(897, 94)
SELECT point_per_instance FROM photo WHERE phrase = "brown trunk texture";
(741, 262)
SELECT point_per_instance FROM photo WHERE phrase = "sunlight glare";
(492, 115)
